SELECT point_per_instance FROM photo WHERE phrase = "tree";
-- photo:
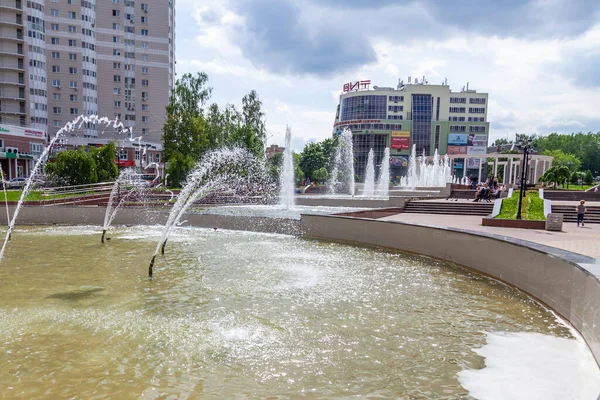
(275, 163)
(320, 175)
(574, 178)
(312, 158)
(73, 167)
(104, 158)
(557, 174)
(588, 179)
(178, 169)
(253, 118)
(564, 159)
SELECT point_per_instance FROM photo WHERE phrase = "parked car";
(15, 183)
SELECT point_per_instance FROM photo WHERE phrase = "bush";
(588, 179)
(73, 167)
(574, 178)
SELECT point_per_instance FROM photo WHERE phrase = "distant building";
(416, 113)
(20, 149)
(274, 149)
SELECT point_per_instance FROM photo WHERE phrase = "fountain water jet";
(422, 174)
(342, 173)
(69, 127)
(125, 177)
(369, 187)
(286, 177)
(5, 197)
(383, 184)
(224, 169)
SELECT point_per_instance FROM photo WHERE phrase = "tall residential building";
(417, 113)
(63, 58)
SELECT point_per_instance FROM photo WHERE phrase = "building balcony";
(16, 82)
(11, 67)
(11, 96)
(10, 5)
(14, 38)
(12, 110)
(14, 23)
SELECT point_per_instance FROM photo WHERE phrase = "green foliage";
(557, 174)
(564, 159)
(574, 178)
(104, 158)
(532, 207)
(73, 167)
(190, 131)
(320, 175)
(588, 178)
(312, 158)
(178, 168)
(584, 146)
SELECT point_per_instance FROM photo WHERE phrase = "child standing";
(580, 212)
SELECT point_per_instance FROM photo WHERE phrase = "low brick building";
(20, 148)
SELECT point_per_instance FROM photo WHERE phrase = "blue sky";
(539, 60)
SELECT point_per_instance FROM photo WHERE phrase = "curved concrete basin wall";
(565, 281)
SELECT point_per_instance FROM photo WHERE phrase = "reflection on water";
(269, 211)
(234, 314)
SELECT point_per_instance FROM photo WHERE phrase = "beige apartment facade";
(64, 58)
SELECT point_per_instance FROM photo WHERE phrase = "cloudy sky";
(539, 60)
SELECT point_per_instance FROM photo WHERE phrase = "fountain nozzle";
(151, 266)
(162, 249)
(103, 234)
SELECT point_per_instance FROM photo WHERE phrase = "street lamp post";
(523, 189)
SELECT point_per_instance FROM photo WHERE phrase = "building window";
(116, 13)
(461, 100)
(144, 82)
(116, 91)
(457, 109)
(56, 110)
(117, 103)
(458, 128)
(73, 84)
(144, 20)
(73, 70)
(437, 136)
(144, 118)
(54, 13)
(477, 100)
(144, 107)
(116, 26)
(144, 70)
(437, 112)
(117, 78)
(364, 107)
(55, 55)
(73, 97)
(117, 65)
(476, 110)
(55, 40)
(137, 155)
(56, 83)
(72, 56)
(74, 111)
(56, 68)
(396, 99)
(55, 96)
(144, 32)
(422, 115)
(54, 27)
(56, 123)
(72, 14)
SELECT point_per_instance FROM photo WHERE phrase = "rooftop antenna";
(446, 81)
(409, 79)
(423, 81)
(467, 85)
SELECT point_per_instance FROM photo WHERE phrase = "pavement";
(583, 240)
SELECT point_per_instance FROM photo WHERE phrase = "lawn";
(532, 207)
(576, 187)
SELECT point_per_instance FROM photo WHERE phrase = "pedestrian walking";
(580, 213)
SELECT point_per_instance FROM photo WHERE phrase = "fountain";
(232, 169)
(422, 174)
(69, 127)
(5, 196)
(383, 185)
(342, 173)
(369, 186)
(286, 178)
(269, 315)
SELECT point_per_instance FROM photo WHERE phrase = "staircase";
(449, 208)
(592, 213)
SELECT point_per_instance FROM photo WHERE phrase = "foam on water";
(529, 366)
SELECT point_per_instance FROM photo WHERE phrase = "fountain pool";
(237, 314)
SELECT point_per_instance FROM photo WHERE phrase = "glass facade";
(362, 144)
(422, 114)
(364, 107)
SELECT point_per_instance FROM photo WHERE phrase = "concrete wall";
(571, 289)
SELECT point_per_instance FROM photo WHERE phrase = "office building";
(416, 113)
